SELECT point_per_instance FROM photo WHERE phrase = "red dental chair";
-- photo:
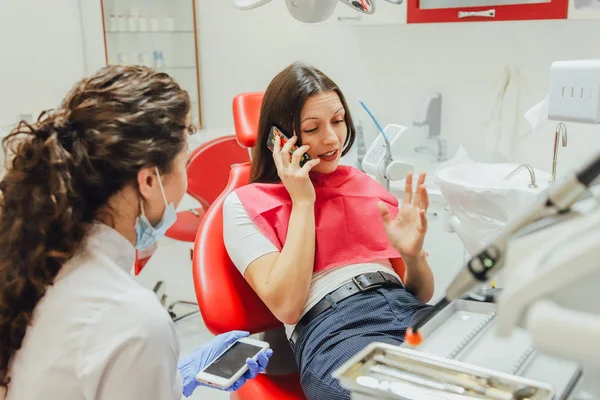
(225, 300)
(208, 173)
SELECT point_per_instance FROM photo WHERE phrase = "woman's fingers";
(423, 220)
(276, 151)
(310, 165)
(286, 150)
(421, 180)
(384, 212)
(419, 192)
(408, 194)
(297, 155)
(424, 198)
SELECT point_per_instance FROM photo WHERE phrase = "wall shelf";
(161, 34)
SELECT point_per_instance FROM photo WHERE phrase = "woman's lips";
(329, 156)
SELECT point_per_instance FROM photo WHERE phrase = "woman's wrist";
(303, 204)
(414, 261)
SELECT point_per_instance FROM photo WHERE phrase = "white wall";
(41, 50)
(393, 67)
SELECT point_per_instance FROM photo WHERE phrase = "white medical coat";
(98, 334)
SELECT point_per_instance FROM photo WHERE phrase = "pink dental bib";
(349, 229)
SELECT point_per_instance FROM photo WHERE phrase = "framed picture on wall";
(430, 11)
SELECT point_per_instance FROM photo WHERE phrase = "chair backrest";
(246, 113)
(225, 300)
(210, 163)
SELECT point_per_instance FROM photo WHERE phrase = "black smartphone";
(275, 131)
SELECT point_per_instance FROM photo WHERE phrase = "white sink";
(482, 201)
(433, 191)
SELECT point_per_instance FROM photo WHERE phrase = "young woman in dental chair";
(324, 245)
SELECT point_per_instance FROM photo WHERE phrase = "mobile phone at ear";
(230, 365)
(275, 131)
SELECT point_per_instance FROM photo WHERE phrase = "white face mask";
(147, 234)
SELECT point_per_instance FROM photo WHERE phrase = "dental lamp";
(574, 96)
(313, 11)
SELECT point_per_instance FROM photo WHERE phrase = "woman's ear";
(146, 179)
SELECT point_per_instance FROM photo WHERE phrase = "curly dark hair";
(62, 169)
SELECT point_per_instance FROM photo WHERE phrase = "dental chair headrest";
(246, 113)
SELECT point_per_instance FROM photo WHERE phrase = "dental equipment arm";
(314, 11)
(555, 200)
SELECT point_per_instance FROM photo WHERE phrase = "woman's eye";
(339, 121)
(310, 130)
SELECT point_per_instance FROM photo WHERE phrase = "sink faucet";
(560, 133)
(442, 153)
(431, 115)
(531, 174)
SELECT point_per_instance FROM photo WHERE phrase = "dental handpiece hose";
(388, 150)
(557, 198)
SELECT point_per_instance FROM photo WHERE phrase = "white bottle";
(154, 24)
(169, 24)
(142, 24)
(132, 20)
(132, 23)
(159, 59)
(113, 23)
(122, 23)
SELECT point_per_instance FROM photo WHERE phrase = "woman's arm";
(407, 234)
(282, 280)
(418, 277)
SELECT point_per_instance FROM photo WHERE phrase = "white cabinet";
(385, 14)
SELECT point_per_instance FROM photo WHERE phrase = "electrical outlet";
(574, 91)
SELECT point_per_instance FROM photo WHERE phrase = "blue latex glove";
(190, 365)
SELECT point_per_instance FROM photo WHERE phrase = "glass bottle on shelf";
(132, 21)
(122, 23)
(142, 23)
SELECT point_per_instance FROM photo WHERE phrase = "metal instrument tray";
(383, 371)
(464, 331)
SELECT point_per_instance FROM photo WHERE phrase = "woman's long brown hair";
(63, 168)
(281, 106)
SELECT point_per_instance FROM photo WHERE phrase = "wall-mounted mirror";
(438, 4)
(428, 11)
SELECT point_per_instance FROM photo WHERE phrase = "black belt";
(360, 283)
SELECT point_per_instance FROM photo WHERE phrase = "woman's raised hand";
(295, 178)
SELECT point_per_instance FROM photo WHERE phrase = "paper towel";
(538, 113)
(506, 122)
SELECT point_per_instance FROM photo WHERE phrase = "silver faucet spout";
(531, 174)
(560, 133)
(440, 155)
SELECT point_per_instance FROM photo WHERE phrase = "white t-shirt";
(98, 334)
(245, 243)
